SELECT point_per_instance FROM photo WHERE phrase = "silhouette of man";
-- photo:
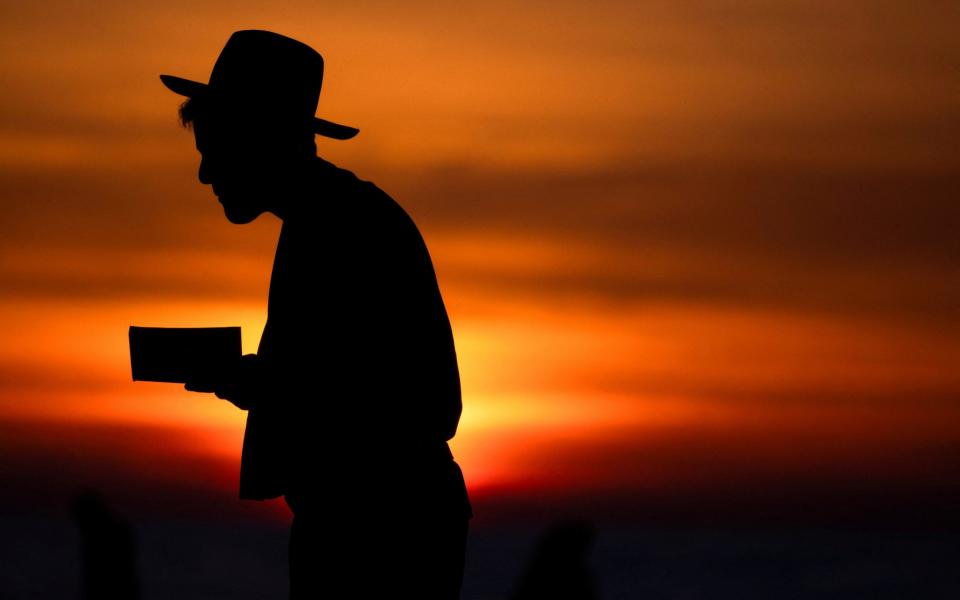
(354, 389)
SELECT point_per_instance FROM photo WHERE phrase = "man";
(354, 390)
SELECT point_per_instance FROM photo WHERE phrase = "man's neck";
(298, 187)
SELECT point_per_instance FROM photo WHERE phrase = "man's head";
(255, 120)
(250, 169)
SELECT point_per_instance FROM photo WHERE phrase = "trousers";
(405, 537)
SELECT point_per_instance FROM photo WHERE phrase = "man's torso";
(364, 381)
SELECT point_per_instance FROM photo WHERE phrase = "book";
(181, 354)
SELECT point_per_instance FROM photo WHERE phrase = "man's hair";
(189, 110)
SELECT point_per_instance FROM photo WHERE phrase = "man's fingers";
(192, 386)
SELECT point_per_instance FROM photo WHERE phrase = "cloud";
(144, 469)
(767, 474)
(844, 241)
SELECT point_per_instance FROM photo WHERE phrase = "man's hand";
(236, 383)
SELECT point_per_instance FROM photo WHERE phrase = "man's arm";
(413, 330)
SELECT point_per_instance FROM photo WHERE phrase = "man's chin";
(240, 216)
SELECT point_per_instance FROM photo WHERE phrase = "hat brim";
(186, 87)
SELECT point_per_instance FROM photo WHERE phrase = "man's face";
(236, 167)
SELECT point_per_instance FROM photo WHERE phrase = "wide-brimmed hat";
(265, 71)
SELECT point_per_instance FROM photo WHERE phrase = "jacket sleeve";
(411, 333)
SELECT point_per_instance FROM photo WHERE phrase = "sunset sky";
(700, 258)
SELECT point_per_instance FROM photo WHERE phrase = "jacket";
(356, 364)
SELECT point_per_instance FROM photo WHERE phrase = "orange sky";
(684, 247)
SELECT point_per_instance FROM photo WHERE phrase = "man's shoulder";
(335, 178)
(363, 200)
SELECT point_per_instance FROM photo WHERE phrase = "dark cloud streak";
(843, 240)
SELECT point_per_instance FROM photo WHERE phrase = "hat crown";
(261, 72)
(264, 69)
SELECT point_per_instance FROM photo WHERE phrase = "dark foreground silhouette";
(558, 569)
(108, 550)
(354, 390)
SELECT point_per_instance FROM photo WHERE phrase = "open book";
(179, 354)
